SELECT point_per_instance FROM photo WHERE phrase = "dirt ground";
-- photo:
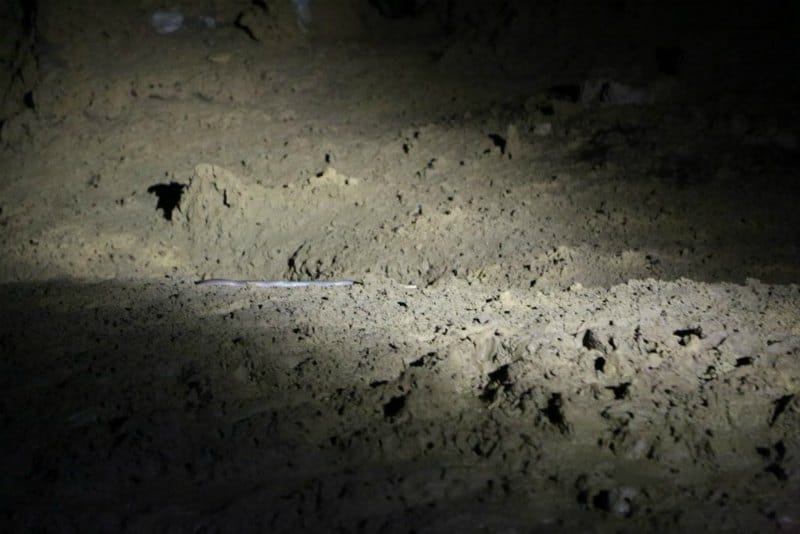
(574, 235)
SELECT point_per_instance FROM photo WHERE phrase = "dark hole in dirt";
(592, 342)
(602, 501)
(780, 450)
(780, 406)
(292, 261)
(239, 24)
(569, 92)
(669, 59)
(553, 412)
(499, 141)
(378, 383)
(261, 3)
(778, 471)
(685, 333)
(599, 364)
(764, 452)
(499, 375)
(169, 197)
(497, 379)
(744, 360)
(546, 109)
(419, 362)
(28, 100)
(394, 406)
(489, 394)
(484, 451)
(621, 391)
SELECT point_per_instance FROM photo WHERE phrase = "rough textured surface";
(578, 261)
(650, 404)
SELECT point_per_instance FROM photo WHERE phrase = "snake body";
(270, 284)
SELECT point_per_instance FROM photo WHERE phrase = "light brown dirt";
(571, 314)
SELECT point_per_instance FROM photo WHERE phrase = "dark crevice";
(778, 471)
(394, 406)
(246, 29)
(566, 92)
(27, 100)
(599, 364)
(419, 362)
(169, 197)
(499, 141)
(590, 341)
(499, 375)
(685, 333)
(554, 413)
(780, 406)
(602, 501)
(621, 391)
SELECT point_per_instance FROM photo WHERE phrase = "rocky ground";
(576, 259)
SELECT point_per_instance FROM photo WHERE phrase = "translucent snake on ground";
(269, 284)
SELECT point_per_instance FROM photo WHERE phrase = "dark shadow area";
(126, 410)
(169, 197)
